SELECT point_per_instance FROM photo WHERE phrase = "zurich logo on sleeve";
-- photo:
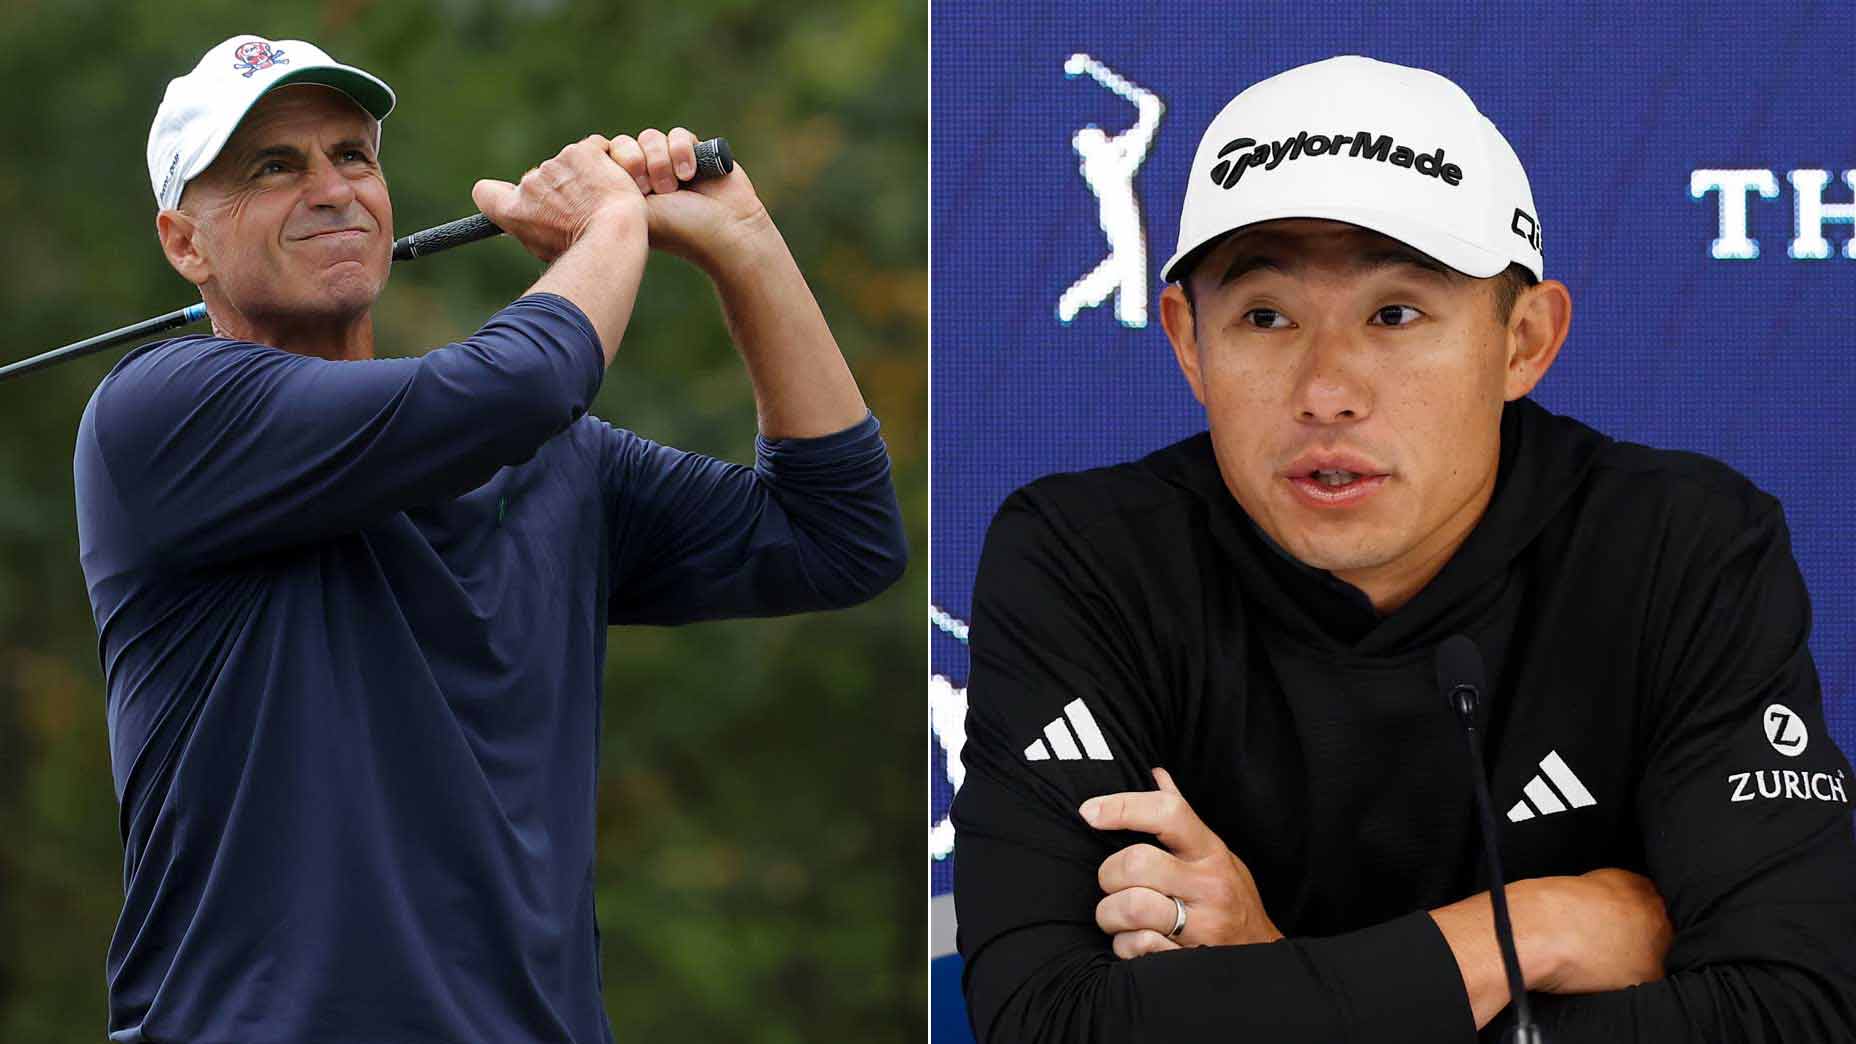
(1784, 730)
(1786, 733)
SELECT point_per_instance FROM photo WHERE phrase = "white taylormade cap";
(1398, 150)
(201, 109)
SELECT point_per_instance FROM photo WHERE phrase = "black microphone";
(714, 159)
(1460, 678)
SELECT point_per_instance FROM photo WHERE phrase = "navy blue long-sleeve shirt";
(352, 618)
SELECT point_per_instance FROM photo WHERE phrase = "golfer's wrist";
(1545, 929)
(745, 250)
(619, 224)
(1468, 928)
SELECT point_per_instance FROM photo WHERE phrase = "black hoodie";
(1653, 706)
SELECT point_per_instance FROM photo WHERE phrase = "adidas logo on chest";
(1555, 789)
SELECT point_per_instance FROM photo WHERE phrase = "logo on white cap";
(1401, 151)
(200, 110)
(1363, 144)
(257, 55)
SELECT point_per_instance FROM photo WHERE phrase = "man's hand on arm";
(1222, 905)
(802, 387)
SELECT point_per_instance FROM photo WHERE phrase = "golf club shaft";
(713, 159)
(134, 331)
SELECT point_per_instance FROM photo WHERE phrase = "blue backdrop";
(1692, 169)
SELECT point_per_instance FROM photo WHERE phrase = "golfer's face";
(1353, 390)
(294, 211)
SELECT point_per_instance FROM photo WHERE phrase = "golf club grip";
(713, 160)
(444, 237)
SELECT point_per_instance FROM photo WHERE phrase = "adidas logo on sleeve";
(1064, 743)
(1552, 791)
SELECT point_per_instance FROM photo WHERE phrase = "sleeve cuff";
(823, 443)
(853, 451)
(1399, 981)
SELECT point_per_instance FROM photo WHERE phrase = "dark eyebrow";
(355, 143)
(1244, 264)
(1395, 256)
(283, 152)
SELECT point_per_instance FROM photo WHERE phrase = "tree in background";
(760, 859)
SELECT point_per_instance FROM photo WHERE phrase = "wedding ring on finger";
(1179, 917)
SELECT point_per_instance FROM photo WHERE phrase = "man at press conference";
(1213, 789)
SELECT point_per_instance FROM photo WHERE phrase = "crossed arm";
(1605, 930)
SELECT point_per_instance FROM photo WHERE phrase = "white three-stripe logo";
(1544, 800)
(1064, 744)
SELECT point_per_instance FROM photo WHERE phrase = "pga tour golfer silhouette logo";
(257, 55)
(1108, 166)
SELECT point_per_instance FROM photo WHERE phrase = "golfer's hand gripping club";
(713, 160)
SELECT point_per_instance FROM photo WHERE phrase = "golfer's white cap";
(1398, 150)
(201, 109)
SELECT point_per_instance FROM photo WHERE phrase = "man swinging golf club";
(352, 611)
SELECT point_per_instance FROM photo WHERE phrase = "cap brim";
(368, 92)
(364, 90)
(1465, 257)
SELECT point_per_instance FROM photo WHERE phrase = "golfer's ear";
(179, 235)
(1181, 329)
(1536, 329)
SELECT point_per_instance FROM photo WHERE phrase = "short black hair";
(1510, 282)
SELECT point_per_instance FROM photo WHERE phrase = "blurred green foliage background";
(761, 873)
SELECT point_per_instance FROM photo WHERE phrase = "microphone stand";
(1464, 695)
